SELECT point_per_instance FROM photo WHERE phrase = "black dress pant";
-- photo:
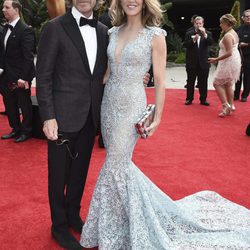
(246, 84)
(13, 100)
(67, 176)
(202, 76)
(238, 87)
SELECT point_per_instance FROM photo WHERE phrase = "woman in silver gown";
(127, 210)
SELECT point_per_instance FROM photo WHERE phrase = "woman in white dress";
(229, 64)
(127, 210)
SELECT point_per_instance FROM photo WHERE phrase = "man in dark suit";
(197, 41)
(71, 63)
(244, 45)
(17, 47)
(189, 29)
(1, 62)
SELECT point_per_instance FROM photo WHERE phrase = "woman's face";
(224, 26)
(132, 7)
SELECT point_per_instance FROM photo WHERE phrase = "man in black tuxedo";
(71, 64)
(244, 45)
(197, 41)
(18, 70)
(1, 62)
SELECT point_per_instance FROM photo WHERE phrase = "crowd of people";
(233, 61)
(77, 56)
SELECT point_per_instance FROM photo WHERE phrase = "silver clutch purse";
(145, 120)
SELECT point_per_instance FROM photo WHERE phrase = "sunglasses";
(61, 141)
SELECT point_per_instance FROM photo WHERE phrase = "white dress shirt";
(89, 37)
(13, 24)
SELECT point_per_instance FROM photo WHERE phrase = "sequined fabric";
(127, 211)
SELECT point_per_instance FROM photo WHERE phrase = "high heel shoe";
(226, 110)
(232, 107)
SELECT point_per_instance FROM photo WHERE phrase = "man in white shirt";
(197, 41)
(18, 70)
(71, 63)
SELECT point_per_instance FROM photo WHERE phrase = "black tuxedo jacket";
(1, 48)
(197, 56)
(66, 89)
(244, 36)
(17, 59)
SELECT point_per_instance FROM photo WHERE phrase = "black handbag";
(145, 120)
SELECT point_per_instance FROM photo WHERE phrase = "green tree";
(35, 14)
(165, 5)
(235, 11)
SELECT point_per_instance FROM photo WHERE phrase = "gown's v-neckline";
(118, 57)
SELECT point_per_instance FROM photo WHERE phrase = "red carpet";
(193, 150)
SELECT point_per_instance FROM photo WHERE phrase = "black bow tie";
(90, 22)
(8, 26)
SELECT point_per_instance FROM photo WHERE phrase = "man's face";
(198, 24)
(246, 18)
(85, 6)
(8, 11)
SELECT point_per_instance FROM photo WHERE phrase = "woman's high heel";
(232, 107)
(226, 110)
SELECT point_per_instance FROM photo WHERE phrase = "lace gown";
(127, 210)
(228, 70)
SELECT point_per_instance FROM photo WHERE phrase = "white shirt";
(13, 24)
(89, 37)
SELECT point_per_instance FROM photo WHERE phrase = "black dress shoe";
(65, 239)
(11, 135)
(248, 130)
(205, 103)
(243, 99)
(188, 102)
(22, 138)
(185, 86)
(236, 98)
(197, 86)
(76, 224)
(3, 113)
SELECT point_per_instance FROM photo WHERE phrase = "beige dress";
(228, 70)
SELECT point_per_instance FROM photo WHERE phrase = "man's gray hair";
(199, 18)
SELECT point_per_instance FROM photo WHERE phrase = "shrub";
(181, 58)
(172, 57)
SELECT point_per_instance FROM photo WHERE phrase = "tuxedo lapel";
(13, 33)
(99, 46)
(71, 28)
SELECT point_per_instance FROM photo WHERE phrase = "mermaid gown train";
(127, 210)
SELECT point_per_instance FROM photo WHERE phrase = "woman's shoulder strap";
(156, 31)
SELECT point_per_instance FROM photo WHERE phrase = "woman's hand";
(212, 59)
(146, 79)
(152, 128)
